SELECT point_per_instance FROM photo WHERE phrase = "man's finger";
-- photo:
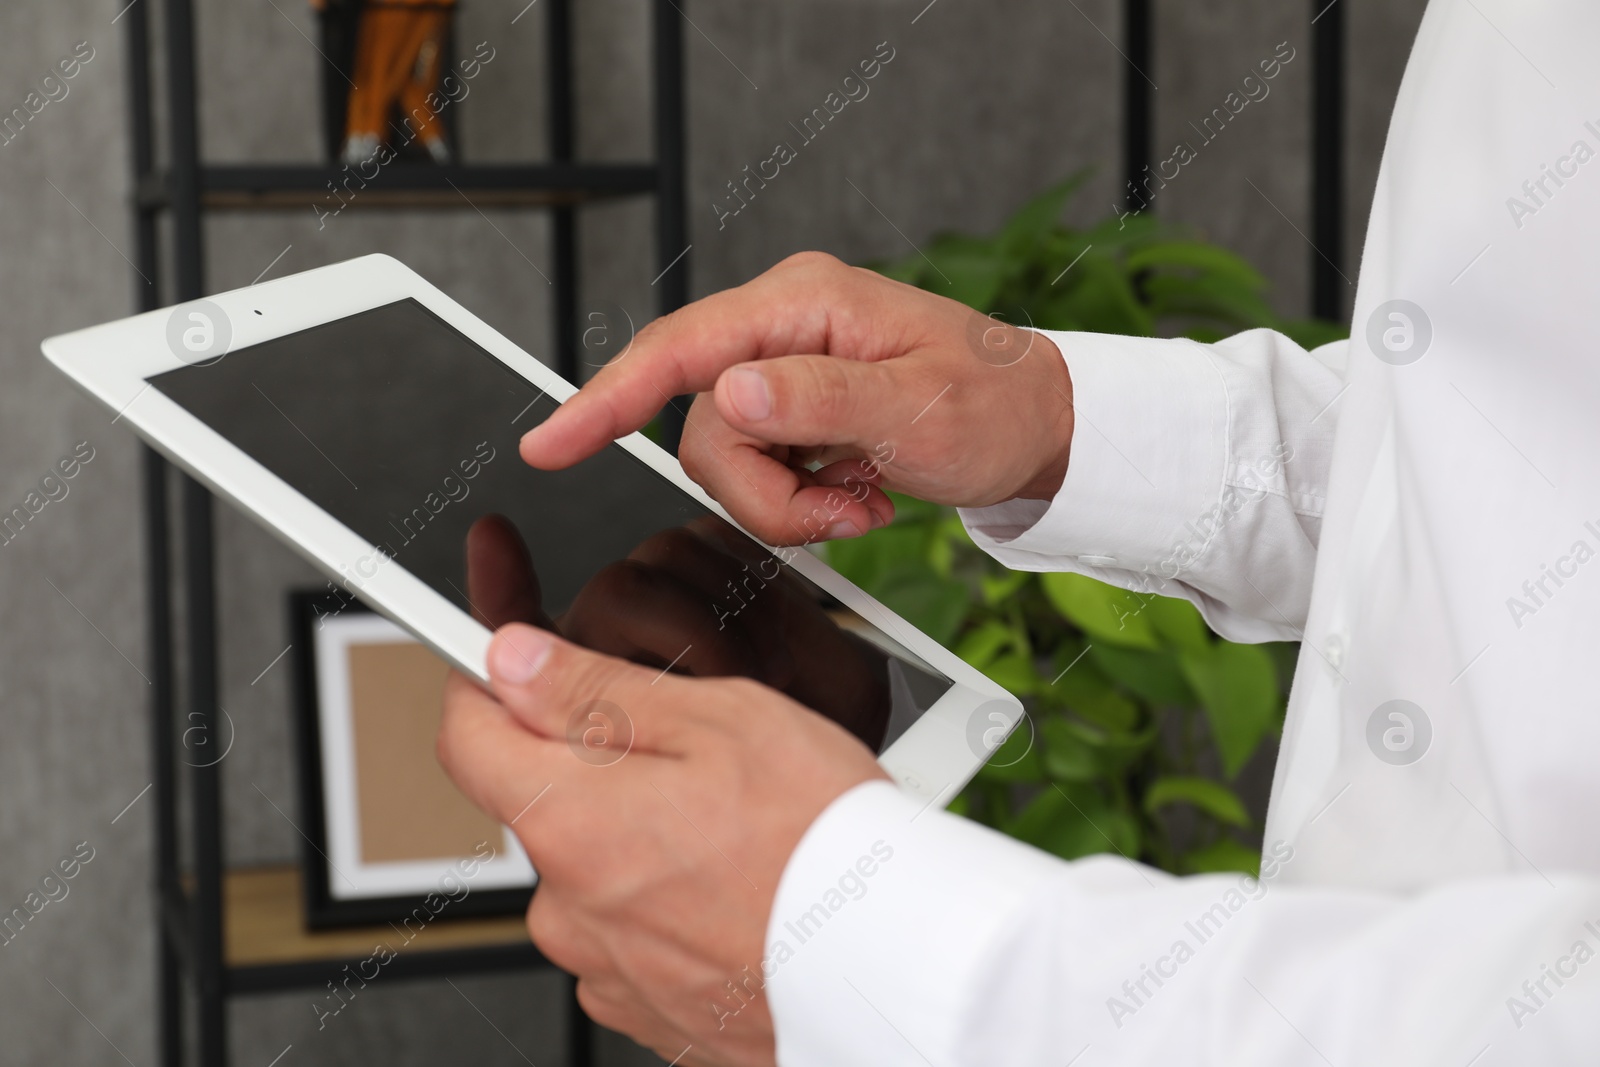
(649, 614)
(555, 924)
(561, 691)
(499, 765)
(613, 1004)
(812, 400)
(776, 314)
(728, 569)
(502, 585)
(779, 503)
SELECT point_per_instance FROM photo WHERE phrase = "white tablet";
(372, 423)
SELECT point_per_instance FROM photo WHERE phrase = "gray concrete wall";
(983, 104)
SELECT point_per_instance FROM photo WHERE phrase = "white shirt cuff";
(883, 918)
(1148, 460)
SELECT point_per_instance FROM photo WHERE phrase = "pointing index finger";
(685, 352)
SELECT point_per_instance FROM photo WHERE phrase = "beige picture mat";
(408, 808)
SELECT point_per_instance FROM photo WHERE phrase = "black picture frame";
(307, 608)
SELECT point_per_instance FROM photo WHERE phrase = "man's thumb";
(809, 400)
(560, 690)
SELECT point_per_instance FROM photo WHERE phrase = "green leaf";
(1059, 312)
(1313, 333)
(1081, 824)
(1017, 761)
(1133, 230)
(936, 606)
(974, 267)
(909, 270)
(953, 529)
(980, 645)
(908, 509)
(1111, 751)
(950, 542)
(1238, 689)
(1178, 622)
(1106, 708)
(1013, 672)
(1053, 272)
(867, 560)
(1077, 683)
(1206, 335)
(941, 555)
(1066, 756)
(891, 564)
(1208, 259)
(1104, 300)
(1154, 677)
(1285, 657)
(1222, 855)
(1101, 611)
(1027, 228)
(1208, 297)
(1213, 798)
(999, 588)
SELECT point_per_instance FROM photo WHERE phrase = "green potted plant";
(1140, 719)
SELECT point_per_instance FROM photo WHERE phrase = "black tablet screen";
(404, 430)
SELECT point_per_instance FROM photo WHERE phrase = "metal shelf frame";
(178, 512)
(1330, 291)
(293, 186)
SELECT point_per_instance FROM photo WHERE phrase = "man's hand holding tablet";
(659, 873)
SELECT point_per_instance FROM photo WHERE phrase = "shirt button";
(1098, 561)
(1334, 651)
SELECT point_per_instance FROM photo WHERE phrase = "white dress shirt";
(1431, 533)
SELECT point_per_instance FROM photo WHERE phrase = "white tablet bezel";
(933, 759)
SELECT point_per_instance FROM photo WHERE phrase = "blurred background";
(983, 105)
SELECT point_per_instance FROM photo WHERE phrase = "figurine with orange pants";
(399, 50)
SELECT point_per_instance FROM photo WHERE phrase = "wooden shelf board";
(264, 923)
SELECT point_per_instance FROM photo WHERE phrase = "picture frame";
(383, 828)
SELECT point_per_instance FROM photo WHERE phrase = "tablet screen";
(403, 429)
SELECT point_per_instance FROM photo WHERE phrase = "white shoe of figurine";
(358, 148)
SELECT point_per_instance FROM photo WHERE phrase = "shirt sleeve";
(907, 936)
(1196, 471)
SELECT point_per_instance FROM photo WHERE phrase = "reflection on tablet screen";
(404, 430)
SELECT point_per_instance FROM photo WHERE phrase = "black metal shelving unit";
(1330, 290)
(191, 953)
